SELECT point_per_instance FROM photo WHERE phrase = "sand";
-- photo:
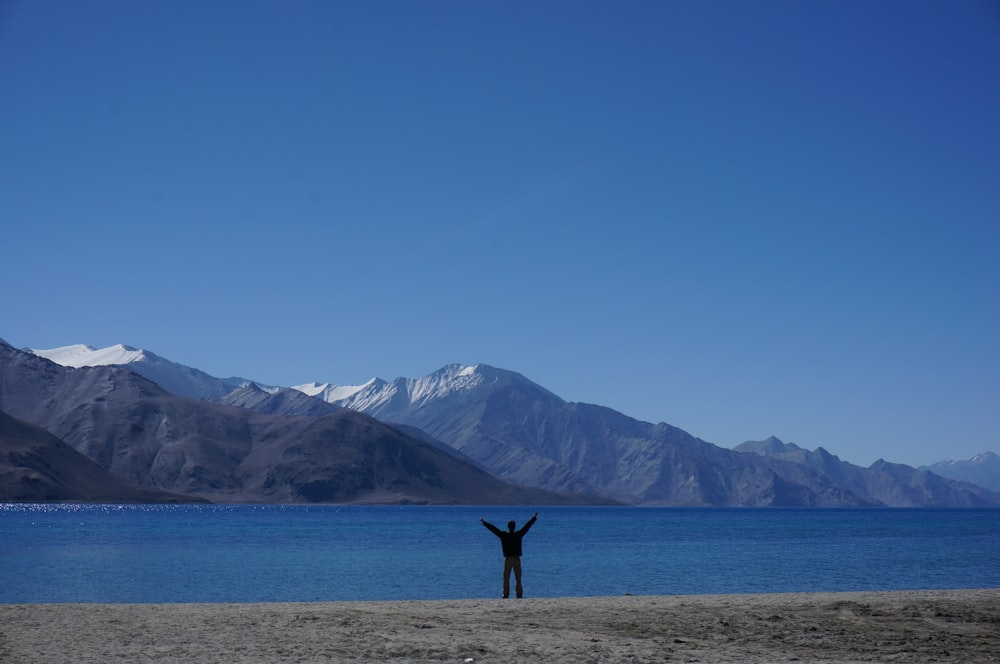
(920, 626)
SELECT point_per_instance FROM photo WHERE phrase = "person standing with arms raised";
(510, 541)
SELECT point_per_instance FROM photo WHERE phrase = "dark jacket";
(510, 541)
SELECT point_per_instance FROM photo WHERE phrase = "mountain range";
(140, 434)
(494, 421)
(982, 469)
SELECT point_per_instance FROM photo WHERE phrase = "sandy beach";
(918, 626)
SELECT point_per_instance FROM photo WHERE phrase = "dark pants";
(512, 563)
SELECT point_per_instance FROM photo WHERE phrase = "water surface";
(246, 553)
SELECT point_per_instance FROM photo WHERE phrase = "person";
(510, 542)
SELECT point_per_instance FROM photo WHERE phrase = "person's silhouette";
(510, 541)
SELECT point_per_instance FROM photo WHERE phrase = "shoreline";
(905, 626)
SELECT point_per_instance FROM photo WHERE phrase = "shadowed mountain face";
(35, 466)
(134, 430)
(285, 401)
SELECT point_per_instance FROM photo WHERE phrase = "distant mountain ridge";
(885, 483)
(982, 469)
(525, 434)
(284, 401)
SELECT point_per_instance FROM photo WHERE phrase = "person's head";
(511, 526)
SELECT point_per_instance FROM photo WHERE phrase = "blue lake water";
(244, 553)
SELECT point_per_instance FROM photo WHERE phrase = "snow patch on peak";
(331, 393)
(311, 389)
(81, 355)
(452, 378)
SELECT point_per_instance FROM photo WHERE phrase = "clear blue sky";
(742, 218)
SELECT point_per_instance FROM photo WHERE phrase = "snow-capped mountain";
(982, 469)
(174, 378)
(391, 401)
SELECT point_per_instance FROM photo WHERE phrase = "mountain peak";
(82, 355)
(768, 447)
(465, 377)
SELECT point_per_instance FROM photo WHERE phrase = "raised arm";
(530, 523)
(493, 529)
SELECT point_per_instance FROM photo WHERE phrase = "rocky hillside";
(35, 466)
